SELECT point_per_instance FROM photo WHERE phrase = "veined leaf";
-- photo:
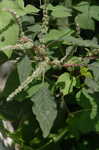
(44, 109)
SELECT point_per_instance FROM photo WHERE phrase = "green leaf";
(7, 4)
(61, 11)
(81, 123)
(68, 3)
(8, 53)
(12, 83)
(97, 126)
(28, 20)
(7, 26)
(34, 28)
(74, 60)
(21, 3)
(50, 7)
(85, 21)
(82, 7)
(13, 5)
(85, 119)
(18, 7)
(66, 82)
(94, 67)
(88, 102)
(92, 84)
(70, 40)
(34, 89)
(24, 68)
(57, 34)
(85, 72)
(31, 9)
(44, 109)
(94, 12)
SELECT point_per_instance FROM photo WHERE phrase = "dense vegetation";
(49, 74)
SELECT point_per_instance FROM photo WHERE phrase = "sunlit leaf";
(66, 83)
(7, 25)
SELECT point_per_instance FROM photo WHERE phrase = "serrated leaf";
(44, 109)
(66, 83)
(24, 68)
